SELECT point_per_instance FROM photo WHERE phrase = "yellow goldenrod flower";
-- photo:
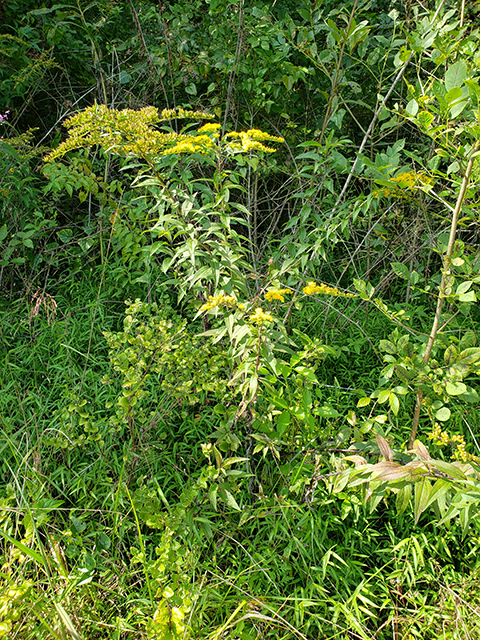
(312, 288)
(277, 294)
(260, 317)
(210, 127)
(217, 301)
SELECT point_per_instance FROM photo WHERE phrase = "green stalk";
(447, 259)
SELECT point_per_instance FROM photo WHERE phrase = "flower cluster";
(172, 114)
(132, 133)
(277, 294)
(210, 127)
(4, 116)
(191, 144)
(260, 317)
(443, 438)
(404, 182)
(251, 140)
(219, 300)
(312, 288)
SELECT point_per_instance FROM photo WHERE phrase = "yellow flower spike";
(210, 127)
(277, 294)
(312, 288)
(218, 301)
(260, 317)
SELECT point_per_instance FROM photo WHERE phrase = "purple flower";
(4, 116)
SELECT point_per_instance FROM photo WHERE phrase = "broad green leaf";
(394, 403)
(363, 402)
(450, 354)
(400, 270)
(438, 493)
(456, 75)
(455, 388)
(453, 94)
(230, 500)
(443, 414)
(457, 108)
(283, 420)
(463, 287)
(383, 395)
(468, 297)
(412, 108)
(425, 119)
(469, 356)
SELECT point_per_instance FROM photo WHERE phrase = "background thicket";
(239, 274)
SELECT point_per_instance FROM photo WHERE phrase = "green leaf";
(23, 548)
(283, 420)
(363, 402)
(394, 403)
(412, 108)
(455, 388)
(403, 498)
(229, 499)
(455, 75)
(383, 396)
(212, 494)
(422, 494)
(463, 287)
(400, 270)
(425, 119)
(384, 447)
(443, 414)
(468, 297)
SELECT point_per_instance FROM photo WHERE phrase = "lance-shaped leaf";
(387, 470)
(384, 447)
(423, 489)
(421, 451)
(403, 498)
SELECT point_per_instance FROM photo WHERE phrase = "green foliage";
(227, 455)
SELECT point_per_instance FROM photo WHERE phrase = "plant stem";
(447, 259)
